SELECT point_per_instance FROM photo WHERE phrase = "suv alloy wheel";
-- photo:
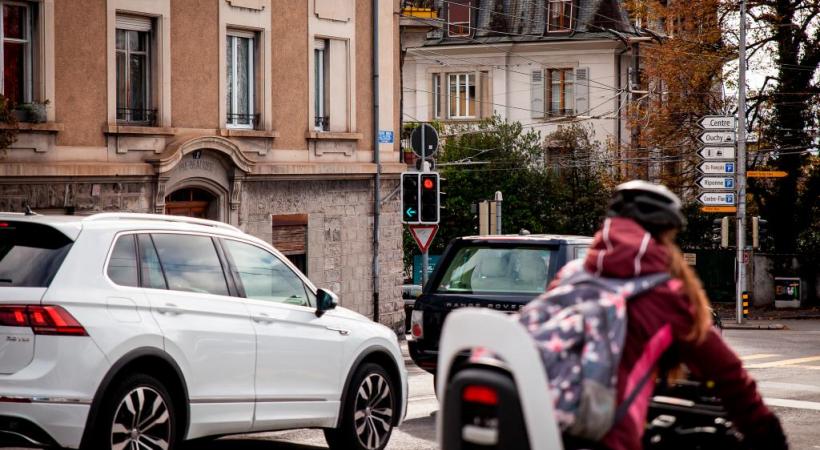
(369, 412)
(138, 415)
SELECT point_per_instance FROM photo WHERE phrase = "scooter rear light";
(480, 394)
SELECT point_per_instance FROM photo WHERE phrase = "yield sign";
(423, 234)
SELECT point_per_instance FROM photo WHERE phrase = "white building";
(539, 62)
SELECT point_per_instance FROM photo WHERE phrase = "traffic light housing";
(410, 197)
(429, 197)
(760, 228)
(720, 231)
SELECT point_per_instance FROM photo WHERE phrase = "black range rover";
(501, 272)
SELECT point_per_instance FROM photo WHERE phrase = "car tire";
(369, 411)
(140, 410)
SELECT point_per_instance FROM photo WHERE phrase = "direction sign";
(717, 183)
(423, 235)
(717, 168)
(718, 198)
(717, 122)
(719, 209)
(717, 137)
(717, 153)
(766, 174)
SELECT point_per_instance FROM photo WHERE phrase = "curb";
(773, 326)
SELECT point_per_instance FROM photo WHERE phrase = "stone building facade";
(251, 112)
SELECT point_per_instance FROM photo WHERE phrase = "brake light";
(44, 320)
(480, 394)
(13, 316)
(417, 324)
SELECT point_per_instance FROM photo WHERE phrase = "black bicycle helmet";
(653, 206)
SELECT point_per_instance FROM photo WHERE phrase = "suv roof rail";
(161, 218)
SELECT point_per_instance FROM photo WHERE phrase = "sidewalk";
(752, 324)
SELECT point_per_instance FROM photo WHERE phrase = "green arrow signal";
(410, 212)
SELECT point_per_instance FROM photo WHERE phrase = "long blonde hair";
(692, 287)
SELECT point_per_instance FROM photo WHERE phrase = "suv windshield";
(486, 269)
(30, 254)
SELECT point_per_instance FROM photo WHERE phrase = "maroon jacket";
(659, 320)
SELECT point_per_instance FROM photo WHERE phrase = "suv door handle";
(170, 309)
(341, 331)
(262, 318)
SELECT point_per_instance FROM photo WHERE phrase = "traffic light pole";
(741, 167)
(425, 255)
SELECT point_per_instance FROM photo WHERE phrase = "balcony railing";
(242, 120)
(132, 116)
(560, 112)
(424, 9)
(321, 123)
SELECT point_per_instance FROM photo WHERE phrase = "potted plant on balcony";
(34, 112)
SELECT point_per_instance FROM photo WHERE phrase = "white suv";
(125, 331)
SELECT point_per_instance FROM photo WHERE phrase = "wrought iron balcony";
(322, 123)
(134, 116)
(242, 120)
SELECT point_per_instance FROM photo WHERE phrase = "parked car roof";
(524, 238)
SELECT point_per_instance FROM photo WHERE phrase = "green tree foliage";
(545, 189)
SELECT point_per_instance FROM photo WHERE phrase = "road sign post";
(423, 235)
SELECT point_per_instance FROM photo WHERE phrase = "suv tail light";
(417, 324)
(44, 320)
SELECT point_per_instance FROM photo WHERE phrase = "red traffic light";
(428, 183)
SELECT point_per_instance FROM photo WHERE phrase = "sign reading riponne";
(717, 183)
(717, 123)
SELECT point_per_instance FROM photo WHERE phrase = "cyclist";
(673, 319)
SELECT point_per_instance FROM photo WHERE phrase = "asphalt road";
(786, 364)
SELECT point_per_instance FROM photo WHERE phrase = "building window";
(560, 16)
(17, 51)
(461, 101)
(436, 96)
(133, 39)
(459, 13)
(560, 92)
(321, 63)
(240, 51)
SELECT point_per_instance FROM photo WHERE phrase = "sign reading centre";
(717, 122)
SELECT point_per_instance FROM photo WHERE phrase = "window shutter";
(134, 23)
(537, 93)
(290, 233)
(582, 91)
(485, 100)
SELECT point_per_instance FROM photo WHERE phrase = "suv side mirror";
(325, 301)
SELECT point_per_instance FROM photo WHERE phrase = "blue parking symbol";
(730, 198)
(730, 168)
(728, 183)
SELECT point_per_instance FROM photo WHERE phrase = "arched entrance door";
(192, 202)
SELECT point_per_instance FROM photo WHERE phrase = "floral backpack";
(579, 327)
